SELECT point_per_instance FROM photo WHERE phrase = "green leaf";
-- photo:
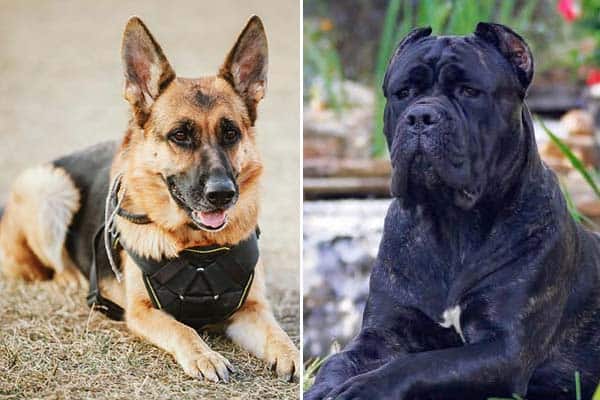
(573, 159)
(597, 394)
(571, 204)
(521, 22)
(311, 370)
(506, 11)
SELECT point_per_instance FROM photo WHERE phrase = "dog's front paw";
(206, 364)
(283, 357)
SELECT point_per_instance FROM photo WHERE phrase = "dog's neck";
(525, 171)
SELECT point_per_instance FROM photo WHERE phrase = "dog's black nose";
(219, 192)
(422, 116)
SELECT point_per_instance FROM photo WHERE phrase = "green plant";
(589, 177)
(445, 17)
(577, 216)
(322, 66)
(573, 159)
(588, 26)
(308, 378)
(597, 394)
(515, 397)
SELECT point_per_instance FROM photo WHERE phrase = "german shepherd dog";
(184, 177)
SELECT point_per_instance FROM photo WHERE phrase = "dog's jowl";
(484, 286)
(165, 223)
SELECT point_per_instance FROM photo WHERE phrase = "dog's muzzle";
(422, 119)
(430, 151)
(206, 207)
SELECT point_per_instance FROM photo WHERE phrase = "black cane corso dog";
(484, 285)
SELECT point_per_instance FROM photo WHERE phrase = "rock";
(341, 239)
(578, 122)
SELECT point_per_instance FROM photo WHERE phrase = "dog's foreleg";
(368, 351)
(255, 329)
(384, 336)
(472, 372)
(191, 352)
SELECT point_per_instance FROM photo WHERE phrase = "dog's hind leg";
(34, 226)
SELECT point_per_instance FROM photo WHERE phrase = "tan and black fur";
(218, 114)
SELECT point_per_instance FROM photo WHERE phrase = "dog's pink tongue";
(211, 219)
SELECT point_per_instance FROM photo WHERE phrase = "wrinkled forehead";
(203, 100)
(474, 57)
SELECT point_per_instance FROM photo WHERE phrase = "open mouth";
(207, 220)
(210, 221)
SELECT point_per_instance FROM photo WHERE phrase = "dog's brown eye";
(229, 132)
(469, 91)
(230, 137)
(181, 138)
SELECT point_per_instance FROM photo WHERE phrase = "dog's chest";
(202, 286)
(432, 295)
(427, 278)
(451, 319)
(430, 265)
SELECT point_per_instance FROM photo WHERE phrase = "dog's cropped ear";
(410, 37)
(512, 46)
(245, 67)
(147, 71)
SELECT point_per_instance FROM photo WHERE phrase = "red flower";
(593, 77)
(569, 9)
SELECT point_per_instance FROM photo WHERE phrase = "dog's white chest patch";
(451, 318)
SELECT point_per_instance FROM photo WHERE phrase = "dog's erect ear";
(410, 37)
(147, 71)
(246, 65)
(512, 46)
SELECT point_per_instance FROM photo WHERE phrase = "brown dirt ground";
(61, 91)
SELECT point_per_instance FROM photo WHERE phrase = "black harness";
(201, 286)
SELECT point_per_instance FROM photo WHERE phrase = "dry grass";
(52, 347)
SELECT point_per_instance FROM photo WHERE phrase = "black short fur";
(479, 223)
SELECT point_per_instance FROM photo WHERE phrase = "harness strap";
(113, 310)
(94, 298)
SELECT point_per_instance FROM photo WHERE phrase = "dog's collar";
(139, 219)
